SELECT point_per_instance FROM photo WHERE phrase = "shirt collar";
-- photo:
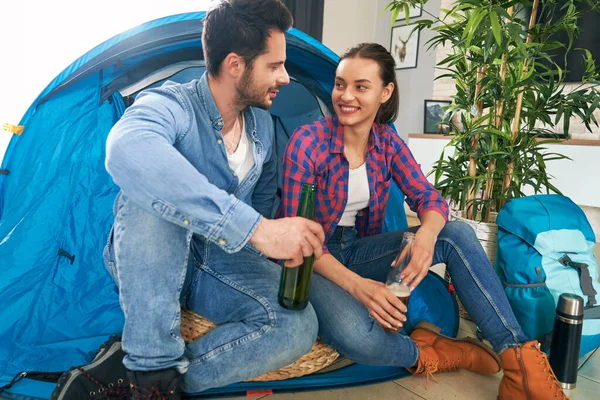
(374, 138)
(209, 103)
(337, 136)
(213, 113)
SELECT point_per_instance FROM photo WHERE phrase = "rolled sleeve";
(420, 194)
(143, 162)
(232, 233)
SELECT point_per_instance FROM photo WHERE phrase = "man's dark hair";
(241, 27)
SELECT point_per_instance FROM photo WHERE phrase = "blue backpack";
(545, 245)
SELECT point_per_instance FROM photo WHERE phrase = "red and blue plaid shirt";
(315, 154)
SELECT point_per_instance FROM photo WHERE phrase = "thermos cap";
(570, 305)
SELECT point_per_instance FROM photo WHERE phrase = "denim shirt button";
(219, 141)
(234, 173)
(186, 221)
(222, 242)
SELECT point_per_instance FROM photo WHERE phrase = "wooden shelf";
(570, 142)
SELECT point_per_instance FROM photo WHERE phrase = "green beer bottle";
(295, 282)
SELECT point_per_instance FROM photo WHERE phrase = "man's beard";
(250, 95)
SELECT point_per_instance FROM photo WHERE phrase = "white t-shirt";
(358, 195)
(241, 161)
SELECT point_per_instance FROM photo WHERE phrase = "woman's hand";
(421, 258)
(383, 306)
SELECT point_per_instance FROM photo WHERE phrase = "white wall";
(38, 39)
(349, 22)
(577, 179)
(415, 84)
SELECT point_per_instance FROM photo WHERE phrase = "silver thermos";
(566, 339)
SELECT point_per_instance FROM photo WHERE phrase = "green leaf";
(407, 13)
(566, 120)
(496, 27)
(395, 12)
(592, 108)
(473, 24)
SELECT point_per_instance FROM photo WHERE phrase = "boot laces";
(449, 365)
(109, 391)
(550, 377)
(431, 367)
(429, 370)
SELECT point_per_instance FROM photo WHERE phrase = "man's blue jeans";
(344, 323)
(158, 270)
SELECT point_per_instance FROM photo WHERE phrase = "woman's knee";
(459, 233)
(373, 346)
(354, 337)
(294, 333)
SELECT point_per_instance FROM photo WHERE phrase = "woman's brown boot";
(439, 353)
(528, 375)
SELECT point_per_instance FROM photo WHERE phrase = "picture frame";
(404, 46)
(433, 115)
(414, 11)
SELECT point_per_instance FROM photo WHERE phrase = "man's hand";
(289, 239)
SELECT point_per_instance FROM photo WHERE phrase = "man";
(196, 167)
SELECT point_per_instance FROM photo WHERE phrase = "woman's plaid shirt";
(315, 154)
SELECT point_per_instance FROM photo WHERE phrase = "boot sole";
(69, 377)
(436, 329)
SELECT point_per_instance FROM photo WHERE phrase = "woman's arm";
(420, 194)
(430, 206)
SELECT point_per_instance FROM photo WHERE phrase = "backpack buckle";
(585, 280)
(565, 260)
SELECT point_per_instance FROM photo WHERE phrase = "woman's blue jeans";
(344, 323)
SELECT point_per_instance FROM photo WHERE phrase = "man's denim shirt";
(167, 155)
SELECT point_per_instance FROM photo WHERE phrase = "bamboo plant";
(510, 90)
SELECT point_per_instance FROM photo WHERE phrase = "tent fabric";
(58, 302)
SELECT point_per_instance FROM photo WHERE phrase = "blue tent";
(58, 302)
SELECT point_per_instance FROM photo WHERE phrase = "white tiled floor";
(452, 385)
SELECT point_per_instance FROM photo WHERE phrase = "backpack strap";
(585, 279)
(591, 313)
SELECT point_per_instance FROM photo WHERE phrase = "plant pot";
(487, 234)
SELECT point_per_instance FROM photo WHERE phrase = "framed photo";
(413, 12)
(434, 115)
(404, 46)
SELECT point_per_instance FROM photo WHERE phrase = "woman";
(352, 157)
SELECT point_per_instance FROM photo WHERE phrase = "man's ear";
(233, 65)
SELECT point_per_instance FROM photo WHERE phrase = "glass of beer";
(394, 283)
